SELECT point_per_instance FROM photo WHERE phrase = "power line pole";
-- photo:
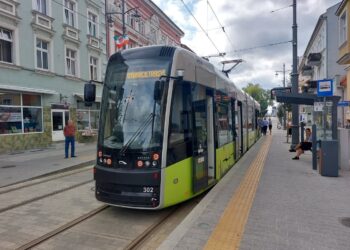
(295, 107)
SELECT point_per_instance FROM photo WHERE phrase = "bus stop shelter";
(324, 128)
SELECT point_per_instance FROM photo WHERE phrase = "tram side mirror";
(89, 93)
(157, 94)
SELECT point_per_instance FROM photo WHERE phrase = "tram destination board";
(274, 91)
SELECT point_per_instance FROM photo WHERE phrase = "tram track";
(136, 243)
(41, 179)
(62, 228)
(43, 196)
(31, 192)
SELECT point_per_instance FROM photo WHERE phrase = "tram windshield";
(133, 105)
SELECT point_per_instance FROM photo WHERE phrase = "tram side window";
(224, 130)
(180, 127)
(250, 119)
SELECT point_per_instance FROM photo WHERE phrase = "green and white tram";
(171, 126)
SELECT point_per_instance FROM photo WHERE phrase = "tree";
(261, 95)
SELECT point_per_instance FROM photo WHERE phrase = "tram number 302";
(148, 189)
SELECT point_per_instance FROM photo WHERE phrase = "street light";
(123, 12)
(295, 76)
(284, 85)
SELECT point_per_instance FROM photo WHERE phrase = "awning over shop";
(26, 89)
(81, 97)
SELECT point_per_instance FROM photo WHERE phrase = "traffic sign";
(325, 87)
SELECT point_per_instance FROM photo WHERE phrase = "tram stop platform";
(269, 201)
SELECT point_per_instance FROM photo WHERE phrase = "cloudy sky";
(248, 24)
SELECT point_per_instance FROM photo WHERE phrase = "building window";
(92, 24)
(142, 27)
(69, 12)
(41, 6)
(42, 54)
(342, 29)
(20, 113)
(93, 68)
(6, 43)
(88, 118)
(71, 62)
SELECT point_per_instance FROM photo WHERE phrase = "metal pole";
(123, 18)
(284, 105)
(107, 31)
(295, 107)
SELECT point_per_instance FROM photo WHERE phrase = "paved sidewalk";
(294, 207)
(23, 165)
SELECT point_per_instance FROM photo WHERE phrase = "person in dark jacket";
(69, 134)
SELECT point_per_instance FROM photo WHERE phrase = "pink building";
(145, 24)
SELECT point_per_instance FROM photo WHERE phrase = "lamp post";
(123, 12)
(284, 85)
(295, 107)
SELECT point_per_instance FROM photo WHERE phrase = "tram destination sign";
(278, 90)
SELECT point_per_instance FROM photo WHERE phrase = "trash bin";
(328, 158)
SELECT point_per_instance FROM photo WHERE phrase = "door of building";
(59, 119)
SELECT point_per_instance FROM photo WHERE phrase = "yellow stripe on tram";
(229, 231)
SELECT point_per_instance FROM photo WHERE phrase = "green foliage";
(261, 95)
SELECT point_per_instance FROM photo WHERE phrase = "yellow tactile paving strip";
(229, 231)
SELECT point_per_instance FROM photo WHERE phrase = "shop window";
(31, 100)
(10, 120)
(32, 120)
(20, 113)
(87, 119)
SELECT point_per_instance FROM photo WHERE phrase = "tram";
(171, 126)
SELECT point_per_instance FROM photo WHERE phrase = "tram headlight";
(154, 163)
(155, 157)
(139, 164)
(109, 162)
(99, 153)
(147, 163)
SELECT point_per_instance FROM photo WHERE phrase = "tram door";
(203, 138)
(239, 130)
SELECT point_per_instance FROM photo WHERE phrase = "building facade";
(145, 24)
(320, 62)
(48, 50)
(344, 48)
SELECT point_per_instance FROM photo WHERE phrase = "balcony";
(314, 59)
(94, 43)
(312, 84)
(42, 22)
(8, 11)
(307, 70)
(71, 34)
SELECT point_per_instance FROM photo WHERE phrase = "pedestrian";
(265, 125)
(69, 134)
(303, 146)
(270, 125)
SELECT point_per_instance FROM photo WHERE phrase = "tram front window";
(133, 105)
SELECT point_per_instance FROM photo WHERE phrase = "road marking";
(229, 231)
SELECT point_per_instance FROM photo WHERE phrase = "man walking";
(69, 134)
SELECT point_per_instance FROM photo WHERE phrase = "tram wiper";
(138, 132)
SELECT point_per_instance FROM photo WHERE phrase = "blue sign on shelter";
(325, 87)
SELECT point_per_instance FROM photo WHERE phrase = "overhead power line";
(222, 27)
(206, 33)
(258, 47)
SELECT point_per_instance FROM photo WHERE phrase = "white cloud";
(247, 23)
